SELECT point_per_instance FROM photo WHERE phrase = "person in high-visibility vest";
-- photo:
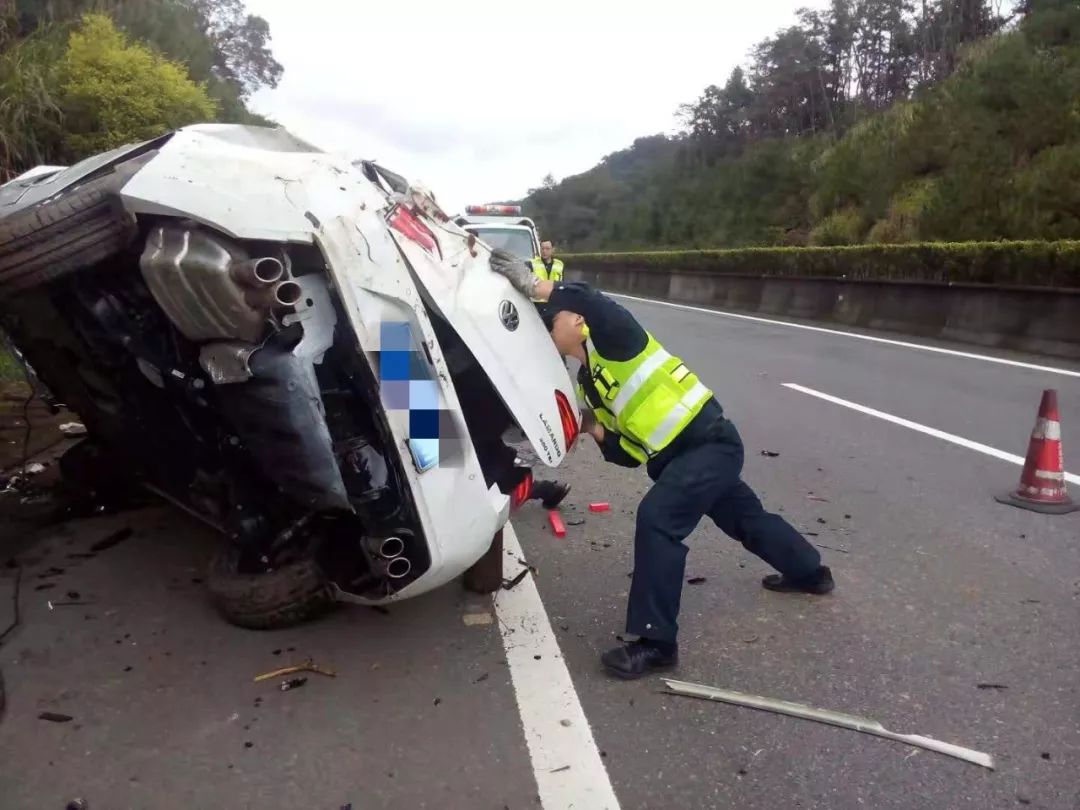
(645, 406)
(545, 266)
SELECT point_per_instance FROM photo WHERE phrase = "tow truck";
(502, 226)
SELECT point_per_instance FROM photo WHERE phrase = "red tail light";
(569, 420)
(521, 492)
(405, 222)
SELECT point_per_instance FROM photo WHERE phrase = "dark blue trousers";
(700, 480)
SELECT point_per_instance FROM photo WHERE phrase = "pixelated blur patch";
(423, 395)
(418, 367)
(394, 365)
(396, 394)
(423, 424)
(395, 336)
(451, 446)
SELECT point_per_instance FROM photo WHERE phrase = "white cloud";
(480, 100)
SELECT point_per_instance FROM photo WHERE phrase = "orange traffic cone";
(1042, 483)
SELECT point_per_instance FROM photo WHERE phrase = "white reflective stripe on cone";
(638, 378)
(1050, 476)
(1048, 429)
(689, 401)
(1035, 492)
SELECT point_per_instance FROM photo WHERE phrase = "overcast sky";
(479, 100)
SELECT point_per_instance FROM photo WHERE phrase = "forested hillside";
(872, 121)
(79, 76)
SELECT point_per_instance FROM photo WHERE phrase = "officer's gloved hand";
(514, 270)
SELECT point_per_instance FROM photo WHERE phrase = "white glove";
(514, 270)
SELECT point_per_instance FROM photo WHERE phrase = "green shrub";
(1042, 264)
(843, 227)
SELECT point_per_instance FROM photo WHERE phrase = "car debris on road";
(308, 666)
(832, 718)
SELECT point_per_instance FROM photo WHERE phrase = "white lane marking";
(556, 730)
(929, 431)
(902, 343)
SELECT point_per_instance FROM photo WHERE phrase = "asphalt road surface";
(456, 701)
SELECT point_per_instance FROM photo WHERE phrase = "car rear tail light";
(569, 420)
(406, 223)
(493, 210)
(522, 491)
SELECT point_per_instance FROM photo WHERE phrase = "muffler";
(210, 288)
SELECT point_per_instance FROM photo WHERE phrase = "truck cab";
(502, 227)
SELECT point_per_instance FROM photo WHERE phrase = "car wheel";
(73, 230)
(294, 593)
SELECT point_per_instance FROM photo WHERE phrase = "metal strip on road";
(1065, 372)
(929, 431)
(566, 762)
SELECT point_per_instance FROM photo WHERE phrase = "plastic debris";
(55, 717)
(73, 429)
(512, 583)
(308, 666)
(848, 721)
(769, 453)
(35, 469)
(110, 540)
(292, 683)
(600, 506)
(555, 519)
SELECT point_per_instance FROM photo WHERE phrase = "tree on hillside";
(221, 45)
(114, 92)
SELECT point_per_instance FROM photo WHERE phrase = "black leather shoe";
(818, 583)
(637, 659)
(549, 493)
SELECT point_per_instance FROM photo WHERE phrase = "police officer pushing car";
(647, 407)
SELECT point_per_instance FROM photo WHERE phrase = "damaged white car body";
(321, 358)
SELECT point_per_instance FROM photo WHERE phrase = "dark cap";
(547, 314)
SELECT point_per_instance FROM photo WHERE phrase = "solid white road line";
(567, 764)
(929, 431)
(872, 339)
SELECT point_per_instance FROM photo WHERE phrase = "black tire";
(76, 229)
(294, 593)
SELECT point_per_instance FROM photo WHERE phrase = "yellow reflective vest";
(542, 273)
(647, 400)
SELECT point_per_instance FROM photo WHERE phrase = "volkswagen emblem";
(508, 314)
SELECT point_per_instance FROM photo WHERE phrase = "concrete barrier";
(1031, 319)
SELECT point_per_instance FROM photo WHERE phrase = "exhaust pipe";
(391, 547)
(258, 272)
(398, 567)
(287, 294)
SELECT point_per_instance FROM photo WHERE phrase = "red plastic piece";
(555, 519)
(603, 506)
